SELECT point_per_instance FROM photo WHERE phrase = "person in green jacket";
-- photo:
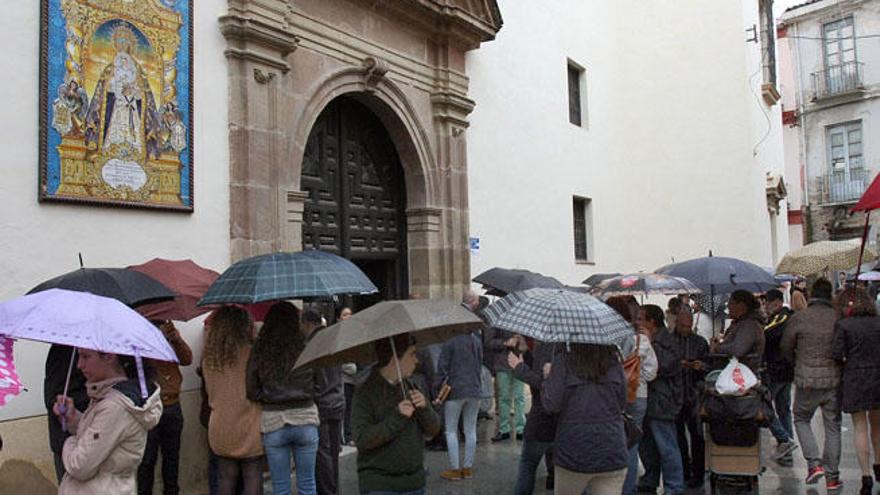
(389, 426)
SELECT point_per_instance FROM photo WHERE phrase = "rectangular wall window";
(583, 229)
(575, 88)
(841, 67)
(846, 178)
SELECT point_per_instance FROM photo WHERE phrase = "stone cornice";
(252, 39)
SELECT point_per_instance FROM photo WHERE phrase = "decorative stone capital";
(453, 108)
(425, 219)
(251, 38)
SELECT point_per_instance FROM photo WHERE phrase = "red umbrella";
(189, 280)
(870, 200)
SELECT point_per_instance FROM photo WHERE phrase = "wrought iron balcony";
(838, 80)
(842, 186)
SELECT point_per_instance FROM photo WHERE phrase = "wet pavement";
(496, 467)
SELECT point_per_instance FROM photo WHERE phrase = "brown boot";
(467, 473)
(451, 475)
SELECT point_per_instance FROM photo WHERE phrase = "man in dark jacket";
(808, 343)
(540, 429)
(330, 398)
(778, 375)
(389, 427)
(693, 349)
(497, 344)
(659, 447)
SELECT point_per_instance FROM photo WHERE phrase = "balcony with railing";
(837, 80)
(843, 186)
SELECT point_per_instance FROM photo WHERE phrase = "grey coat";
(460, 360)
(807, 343)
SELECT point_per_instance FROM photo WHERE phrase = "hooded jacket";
(104, 454)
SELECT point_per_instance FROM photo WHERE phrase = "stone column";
(258, 43)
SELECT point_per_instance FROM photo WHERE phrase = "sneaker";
(833, 485)
(784, 449)
(500, 437)
(451, 475)
(467, 473)
(813, 475)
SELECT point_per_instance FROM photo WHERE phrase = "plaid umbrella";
(820, 256)
(279, 276)
(555, 315)
(644, 283)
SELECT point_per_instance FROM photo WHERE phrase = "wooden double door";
(357, 196)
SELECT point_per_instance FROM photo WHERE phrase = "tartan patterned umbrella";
(278, 276)
(556, 315)
(820, 256)
(644, 283)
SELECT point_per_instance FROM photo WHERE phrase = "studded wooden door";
(356, 190)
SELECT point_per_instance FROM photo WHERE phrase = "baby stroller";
(732, 429)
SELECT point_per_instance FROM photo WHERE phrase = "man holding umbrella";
(389, 427)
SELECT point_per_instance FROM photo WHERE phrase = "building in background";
(625, 135)
(831, 72)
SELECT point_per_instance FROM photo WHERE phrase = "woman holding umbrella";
(290, 415)
(744, 339)
(104, 454)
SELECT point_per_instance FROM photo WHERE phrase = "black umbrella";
(503, 281)
(127, 286)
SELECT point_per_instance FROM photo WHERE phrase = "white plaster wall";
(668, 153)
(39, 241)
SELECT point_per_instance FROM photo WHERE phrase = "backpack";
(632, 368)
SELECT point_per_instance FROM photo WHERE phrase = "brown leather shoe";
(467, 473)
(451, 475)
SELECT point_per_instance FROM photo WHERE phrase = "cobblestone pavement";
(496, 466)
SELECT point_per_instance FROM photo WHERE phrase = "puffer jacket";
(104, 455)
(808, 343)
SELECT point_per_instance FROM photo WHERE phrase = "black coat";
(540, 425)
(296, 390)
(57, 364)
(590, 437)
(494, 349)
(665, 393)
(692, 348)
(778, 369)
(857, 344)
(329, 391)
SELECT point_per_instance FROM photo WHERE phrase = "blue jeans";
(659, 451)
(420, 491)
(781, 426)
(529, 459)
(302, 441)
(636, 411)
(452, 410)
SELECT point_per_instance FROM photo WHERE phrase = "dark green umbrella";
(279, 276)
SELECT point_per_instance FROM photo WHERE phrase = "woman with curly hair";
(857, 345)
(234, 424)
(290, 416)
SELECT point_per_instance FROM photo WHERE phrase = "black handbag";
(633, 431)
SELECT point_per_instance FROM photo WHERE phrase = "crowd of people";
(597, 411)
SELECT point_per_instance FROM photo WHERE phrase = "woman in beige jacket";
(104, 454)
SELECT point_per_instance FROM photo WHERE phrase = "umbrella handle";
(139, 363)
(62, 408)
(397, 365)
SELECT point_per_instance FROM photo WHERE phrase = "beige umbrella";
(821, 256)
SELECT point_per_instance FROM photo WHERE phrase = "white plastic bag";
(735, 379)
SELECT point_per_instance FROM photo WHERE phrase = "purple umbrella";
(80, 319)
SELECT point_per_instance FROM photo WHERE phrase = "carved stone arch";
(391, 106)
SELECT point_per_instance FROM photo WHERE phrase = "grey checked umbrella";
(555, 315)
(277, 276)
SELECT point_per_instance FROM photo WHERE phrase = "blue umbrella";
(278, 276)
